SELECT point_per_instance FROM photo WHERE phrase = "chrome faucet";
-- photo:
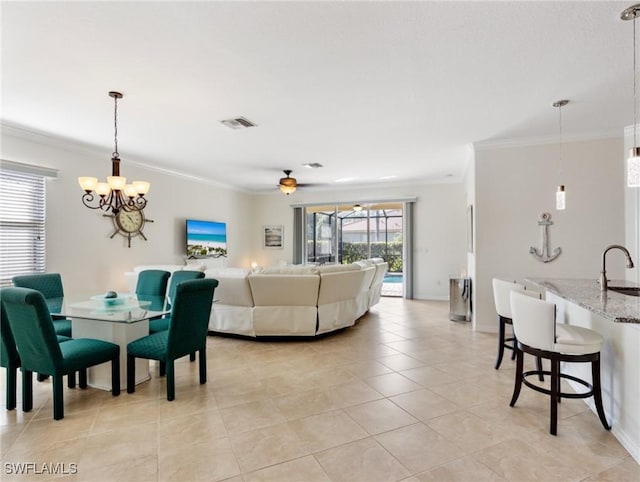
(603, 273)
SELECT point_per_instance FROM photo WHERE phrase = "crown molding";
(60, 142)
(542, 140)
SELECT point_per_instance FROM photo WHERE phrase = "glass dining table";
(119, 320)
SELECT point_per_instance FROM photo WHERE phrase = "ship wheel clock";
(129, 224)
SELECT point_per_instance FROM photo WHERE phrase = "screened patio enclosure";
(346, 233)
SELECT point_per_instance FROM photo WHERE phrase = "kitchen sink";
(626, 290)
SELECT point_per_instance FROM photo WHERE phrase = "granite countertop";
(586, 293)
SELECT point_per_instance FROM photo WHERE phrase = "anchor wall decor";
(544, 223)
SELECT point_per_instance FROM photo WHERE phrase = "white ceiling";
(377, 92)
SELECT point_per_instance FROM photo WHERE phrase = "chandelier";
(115, 194)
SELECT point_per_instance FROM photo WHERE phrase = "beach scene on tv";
(206, 239)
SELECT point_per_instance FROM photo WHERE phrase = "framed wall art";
(273, 237)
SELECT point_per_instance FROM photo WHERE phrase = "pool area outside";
(392, 278)
(392, 284)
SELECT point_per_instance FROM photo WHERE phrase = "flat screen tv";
(206, 239)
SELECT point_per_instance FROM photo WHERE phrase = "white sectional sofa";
(342, 295)
(284, 304)
(301, 300)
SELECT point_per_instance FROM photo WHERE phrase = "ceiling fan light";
(288, 184)
(287, 189)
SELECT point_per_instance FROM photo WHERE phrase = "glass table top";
(126, 308)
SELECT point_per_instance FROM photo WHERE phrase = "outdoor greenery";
(391, 252)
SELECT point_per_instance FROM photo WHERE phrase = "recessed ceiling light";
(313, 165)
(238, 123)
(387, 177)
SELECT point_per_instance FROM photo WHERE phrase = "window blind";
(22, 224)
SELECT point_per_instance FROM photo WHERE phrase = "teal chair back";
(190, 316)
(179, 277)
(49, 284)
(8, 353)
(152, 282)
(10, 360)
(32, 329)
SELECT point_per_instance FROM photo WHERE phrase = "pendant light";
(115, 194)
(633, 161)
(560, 193)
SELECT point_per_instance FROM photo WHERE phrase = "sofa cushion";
(233, 290)
(226, 272)
(338, 268)
(293, 269)
(284, 289)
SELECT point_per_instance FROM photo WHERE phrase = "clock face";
(129, 221)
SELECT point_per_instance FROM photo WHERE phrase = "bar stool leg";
(555, 375)
(597, 392)
(539, 368)
(500, 341)
(518, 382)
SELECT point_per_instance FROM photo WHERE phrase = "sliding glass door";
(320, 228)
(346, 233)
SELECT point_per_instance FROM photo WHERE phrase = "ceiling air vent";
(238, 123)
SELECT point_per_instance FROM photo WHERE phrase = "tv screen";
(206, 239)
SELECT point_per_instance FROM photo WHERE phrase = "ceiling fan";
(288, 184)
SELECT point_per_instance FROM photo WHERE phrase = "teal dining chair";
(152, 282)
(39, 350)
(50, 285)
(162, 324)
(187, 333)
(10, 360)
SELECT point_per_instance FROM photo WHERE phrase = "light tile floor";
(405, 395)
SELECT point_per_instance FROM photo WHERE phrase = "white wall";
(439, 235)
(78, 244)
(514, 185)
(470, 195)
(77, 238)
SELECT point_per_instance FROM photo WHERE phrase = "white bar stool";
(501, 297)
(535, 328)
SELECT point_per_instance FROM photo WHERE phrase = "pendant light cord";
(560, 129)
(635, 102)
